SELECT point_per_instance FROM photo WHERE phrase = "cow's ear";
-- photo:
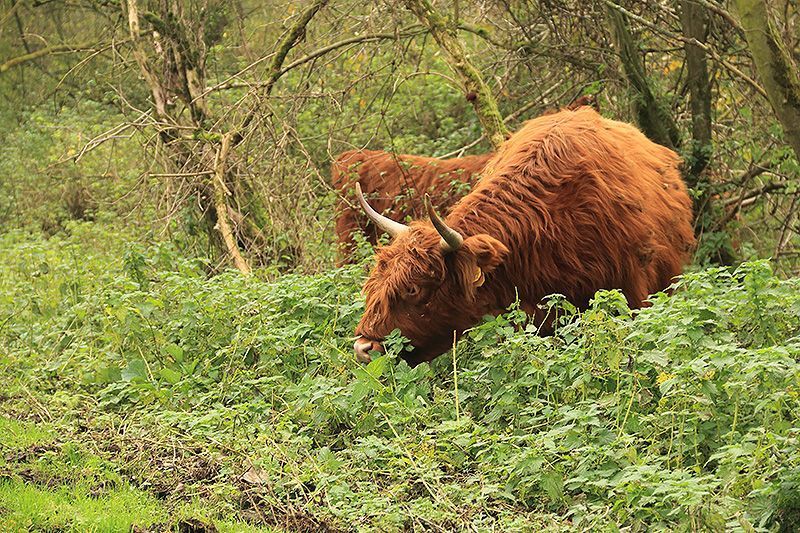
(488, 251)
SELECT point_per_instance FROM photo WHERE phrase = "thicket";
(263, 95)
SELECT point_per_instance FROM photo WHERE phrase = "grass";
(30, 507)
(16, 434)
(50, 485)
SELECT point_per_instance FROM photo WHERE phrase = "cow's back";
(584, 203)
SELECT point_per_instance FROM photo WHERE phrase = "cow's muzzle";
(363, 347)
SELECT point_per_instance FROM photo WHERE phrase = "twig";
(107, 135)
(786, 229)
(755, 193)
(183, 174)
(228, 84)
(289, 40)
(715, 8)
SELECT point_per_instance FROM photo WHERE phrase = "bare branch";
(159, 95)
(221, 206)
(289, 40)
(42, 52)
(709, 50)
(292, 37)
(475, 89)
(408, 32)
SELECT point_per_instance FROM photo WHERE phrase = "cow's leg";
(346, 225)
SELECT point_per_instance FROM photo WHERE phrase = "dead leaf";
(255, 476)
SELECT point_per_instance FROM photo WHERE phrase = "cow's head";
(427, 283)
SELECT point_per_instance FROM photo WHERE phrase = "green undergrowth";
(137, 382)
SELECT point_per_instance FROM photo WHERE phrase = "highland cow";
(571, 203)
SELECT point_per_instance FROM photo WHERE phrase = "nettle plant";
(681, 415)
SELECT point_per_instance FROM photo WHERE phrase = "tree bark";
(475, 89)
(775, 67)
(694, 19)
(652, 116)
(292, 37)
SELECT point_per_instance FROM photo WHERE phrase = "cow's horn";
(385, 223)
(451, 239)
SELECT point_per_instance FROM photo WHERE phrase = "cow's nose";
(363, 347)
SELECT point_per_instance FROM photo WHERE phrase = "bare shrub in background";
(240, 107)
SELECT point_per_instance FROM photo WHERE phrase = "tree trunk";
(775, 67)
(694, 19)
(221, 206)
(652, 116)
(475, 89)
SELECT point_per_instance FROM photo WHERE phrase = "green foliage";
(679, 416)
(43, 187)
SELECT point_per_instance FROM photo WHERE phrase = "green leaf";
(136, 370)
(170, 375)
(553, 485)
(174, 350)
(377, 366)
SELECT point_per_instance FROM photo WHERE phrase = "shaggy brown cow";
(572, 203)
(395, 184)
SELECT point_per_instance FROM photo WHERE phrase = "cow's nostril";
(363, 347)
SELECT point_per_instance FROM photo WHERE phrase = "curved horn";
(386, 224)
(451, 239)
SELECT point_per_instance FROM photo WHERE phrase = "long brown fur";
(572, 203)
(396, 183)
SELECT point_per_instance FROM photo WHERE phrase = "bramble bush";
(680, 416)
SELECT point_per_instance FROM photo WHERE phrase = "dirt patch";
(164, 467)
(189, 525)
(32, 477)
(32, 452)
(258, 510)
(19, 465)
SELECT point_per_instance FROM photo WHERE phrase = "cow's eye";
(412, 292)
